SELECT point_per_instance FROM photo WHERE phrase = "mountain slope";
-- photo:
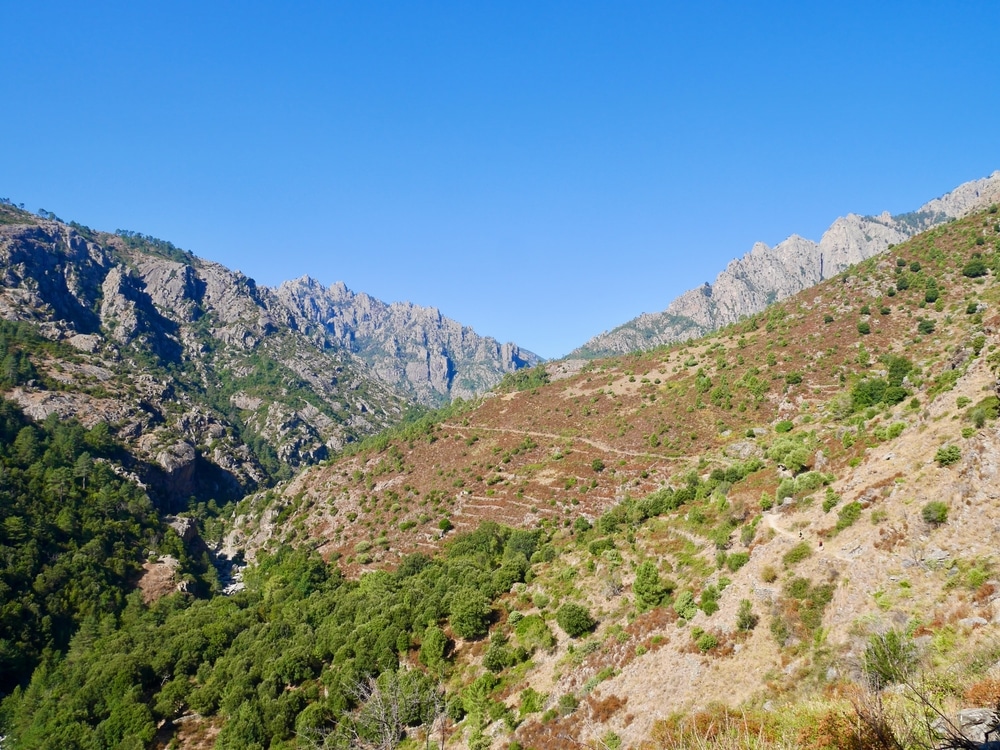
(830, 461)
(199, 371)
(431, 358)
(765, 274)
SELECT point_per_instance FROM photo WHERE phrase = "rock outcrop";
(202, 374)
(428, 356)
(766, 274)
(214, 383)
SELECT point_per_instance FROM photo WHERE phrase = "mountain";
(777, 535)
(202, 373)
(430, 358)
(219, 385)
(755, 531)
(765, 274)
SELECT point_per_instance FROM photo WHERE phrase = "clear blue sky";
(541, 171)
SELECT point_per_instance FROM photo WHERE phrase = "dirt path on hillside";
(773, 525)
(553, 436)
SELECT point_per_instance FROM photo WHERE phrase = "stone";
(765, 274)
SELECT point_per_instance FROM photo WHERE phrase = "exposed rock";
(972, 723)
(766, 274)
(411, 347)
(159, 333)
(186, 528)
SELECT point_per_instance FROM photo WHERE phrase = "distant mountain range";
(429, 357)
(766, 274)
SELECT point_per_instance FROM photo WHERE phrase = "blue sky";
(541, 171)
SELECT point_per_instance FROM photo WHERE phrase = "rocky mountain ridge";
(431, 358)
(194, 366)
(766, 274)
(221, 384)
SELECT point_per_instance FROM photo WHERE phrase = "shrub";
(790, 452)
(684, 605)
(797, 554)
(786, 488)
(848, 515)
(737, 560)
(784, 425)
(925, 326)
(649, 590)
(769, 574)
(974, 268)
(575, 620)
(793, 378)
(827, 318)
(597, 465)
(568, 704)
(935, 512)
(889, 658)
(532, 632)
(948, 455)
(746, 620)
(531, 701)
(470, 614)
(864, 328)
(709, 600)
(598, 546)
(707, 641)
(434, 647)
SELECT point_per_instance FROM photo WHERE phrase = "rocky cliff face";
(767, 274)
(416, 349)
(205, 376)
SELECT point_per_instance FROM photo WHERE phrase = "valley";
(774, 535)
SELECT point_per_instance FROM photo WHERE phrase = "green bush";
(935, 512)
(848, 515)
(685, 606)
(707, 641)
(597, 465)
(737, 560)
(532, 632)
(575, 620)
(784, 426)
(925, 326)
(650, 591)
(709, 600)
(974, 268)
(864, 328)
(889, 658)
(797, 554)
(948, 455)
(568, 704)
(790, 452)
(470, 614)
(746, 620)
(433, 647)
(531, 701)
